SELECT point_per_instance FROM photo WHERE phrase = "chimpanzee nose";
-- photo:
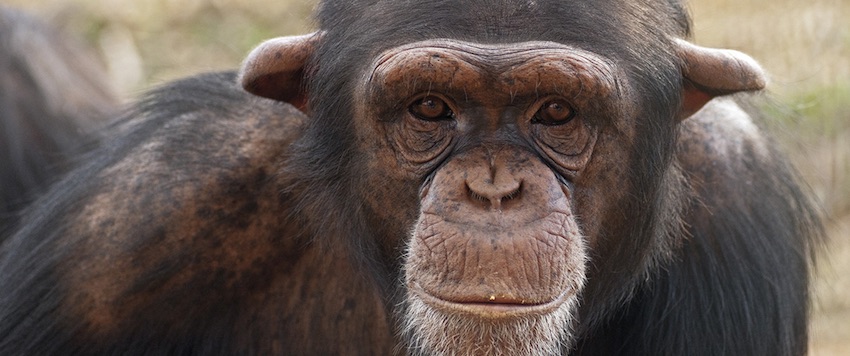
(495, 187)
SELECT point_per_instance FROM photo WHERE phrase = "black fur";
(702, 261)
(746, 294)
(187, 116)
(739, 284)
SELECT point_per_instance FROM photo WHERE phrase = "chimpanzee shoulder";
(725, 281)
(197, 139)
(521, 177)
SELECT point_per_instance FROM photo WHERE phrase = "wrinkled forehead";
(515, 66)
(495, 57)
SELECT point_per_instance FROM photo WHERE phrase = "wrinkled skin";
(516, 147)
(520, 178)
(496, 236)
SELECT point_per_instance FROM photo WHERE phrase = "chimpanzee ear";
(276, 68)
(710, 72)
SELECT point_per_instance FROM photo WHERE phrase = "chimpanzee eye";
(554, 112)
(431, 108)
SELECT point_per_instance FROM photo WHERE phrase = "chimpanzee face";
(497, 139)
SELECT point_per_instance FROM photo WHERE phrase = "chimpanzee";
(517, 177)
(52, 93)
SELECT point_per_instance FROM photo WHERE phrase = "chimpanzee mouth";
(492, 307)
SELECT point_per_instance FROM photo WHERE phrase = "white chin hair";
(430, 331)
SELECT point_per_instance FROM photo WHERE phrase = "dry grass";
(152, 41)
(805, 44)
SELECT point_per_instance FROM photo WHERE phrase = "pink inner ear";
(276, 68)
(710, 72)
(281, 86)
(693, 99)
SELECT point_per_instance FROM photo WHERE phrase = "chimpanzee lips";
(493, 306)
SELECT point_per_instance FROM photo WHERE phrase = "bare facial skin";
(496, 259)
(489, 276)
(430, 178)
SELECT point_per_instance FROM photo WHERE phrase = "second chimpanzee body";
(52, 93)
(477, 177)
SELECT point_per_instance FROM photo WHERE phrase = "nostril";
(494, 195)
(513, 194)
(475, 195)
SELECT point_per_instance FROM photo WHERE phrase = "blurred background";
(804, 45)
